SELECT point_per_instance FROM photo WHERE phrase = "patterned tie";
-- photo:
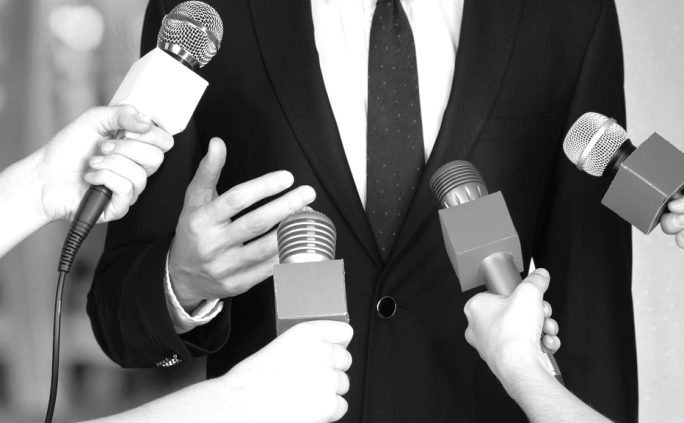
(395, 157)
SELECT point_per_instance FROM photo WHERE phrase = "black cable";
(90, 209)
(55, 346)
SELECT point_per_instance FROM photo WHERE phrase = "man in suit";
(499, 83)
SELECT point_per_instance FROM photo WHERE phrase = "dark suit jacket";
(525, 70)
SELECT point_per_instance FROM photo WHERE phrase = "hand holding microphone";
(297, 378)
(83, 153)
(673, 223)
(479, 235)
(506, 330)
(49, 184)
(163, 86)
(646, 181)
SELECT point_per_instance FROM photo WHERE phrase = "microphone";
(644, 179)
(162, 85)
(308, 282)
(479, 235)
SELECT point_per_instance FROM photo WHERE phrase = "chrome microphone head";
(592, 142)
(191, 32)
(306, 236)
(456, 183)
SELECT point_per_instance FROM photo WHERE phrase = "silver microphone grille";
(306, 236)
(456, 183)
(192, 28)
(592, 142)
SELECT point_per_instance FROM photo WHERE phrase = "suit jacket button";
(386, 307)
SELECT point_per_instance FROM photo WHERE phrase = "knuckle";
(195, 224)
(140, 182)
(127, 188)
(468, 334)
(264, 250)
(214, 268)
(156, 158)
(255, 224)
(472, 304)
(235, 199)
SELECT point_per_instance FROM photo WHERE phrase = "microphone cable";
(91, 208)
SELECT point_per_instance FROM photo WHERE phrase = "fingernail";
(107, 147)
(308, 194)
(95, 160)
(286, 178)
(142, 118)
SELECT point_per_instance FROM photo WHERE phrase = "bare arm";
(49, 184)
(506, 332)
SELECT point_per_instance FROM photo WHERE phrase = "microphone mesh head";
(579, 138)
(306, 236)
(456, 183)
(195, 27)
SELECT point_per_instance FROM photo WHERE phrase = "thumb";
(334, 332)
(536, 283)
(112, 118)
(203, 185)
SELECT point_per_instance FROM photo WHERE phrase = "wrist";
(517, 365)
(187, 301)
(26, 189)
(184, 295)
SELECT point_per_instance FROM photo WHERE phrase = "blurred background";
(59, 57)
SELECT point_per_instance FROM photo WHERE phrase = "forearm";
(206, 401)
(21, 213)
(542, 398)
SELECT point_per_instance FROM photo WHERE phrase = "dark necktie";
(395, 157)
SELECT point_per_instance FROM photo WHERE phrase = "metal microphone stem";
(502, 277)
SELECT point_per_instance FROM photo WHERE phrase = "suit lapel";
(487, 36)
(284, 30)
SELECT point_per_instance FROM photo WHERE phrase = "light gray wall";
(653, 40)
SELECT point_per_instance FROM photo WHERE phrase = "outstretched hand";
(214, 256)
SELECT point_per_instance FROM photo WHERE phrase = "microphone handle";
(502, 277)
(89, 211)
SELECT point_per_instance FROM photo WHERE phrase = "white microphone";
(308, 282)
(161, 85)
(644, 179)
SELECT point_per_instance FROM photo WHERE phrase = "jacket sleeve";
(587, 248)
(126, 303)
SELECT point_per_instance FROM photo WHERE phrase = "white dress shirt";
(342, 32)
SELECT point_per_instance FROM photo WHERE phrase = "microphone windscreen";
(592, 142)
(306, 236)
(195, 27)
(457, 182)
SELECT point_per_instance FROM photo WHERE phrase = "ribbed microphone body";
(308, 282)
(306, 236)
(479, 235)
(161, 85)
(643, 179)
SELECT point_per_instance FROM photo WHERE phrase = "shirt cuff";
(182, 321)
